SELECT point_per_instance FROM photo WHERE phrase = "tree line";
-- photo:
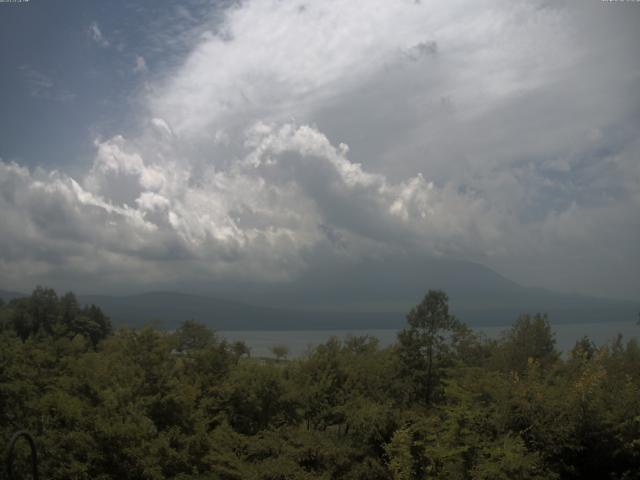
(443, 402)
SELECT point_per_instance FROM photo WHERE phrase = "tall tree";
(529, 338)
(425, 343)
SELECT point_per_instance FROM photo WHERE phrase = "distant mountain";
(400, 281)
(8, 295)
(169, 309)
(477, 294)
(371, 294)
(366, 295)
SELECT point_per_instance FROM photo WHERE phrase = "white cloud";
(141, 65)
(97, 36)
(488, 131)
(260, 210)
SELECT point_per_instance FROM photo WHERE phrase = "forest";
(443, 402)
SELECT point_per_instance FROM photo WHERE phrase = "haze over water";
(299, 341)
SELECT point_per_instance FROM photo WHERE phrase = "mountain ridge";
(366, 295)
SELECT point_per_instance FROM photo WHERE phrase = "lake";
(299, 341)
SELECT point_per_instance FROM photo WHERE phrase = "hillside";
(366, 295)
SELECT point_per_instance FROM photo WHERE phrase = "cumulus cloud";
(267, 209)
(292, 133)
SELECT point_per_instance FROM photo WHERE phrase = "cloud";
(257, 217)
(97, 36)
(291, 193)
(288, 137)
(141, 65)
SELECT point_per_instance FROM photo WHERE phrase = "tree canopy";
(441, 403)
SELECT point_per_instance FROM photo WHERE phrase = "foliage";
(280, 351)
(441, 403)
(425, 345)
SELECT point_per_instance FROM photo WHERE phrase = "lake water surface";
(300, 341)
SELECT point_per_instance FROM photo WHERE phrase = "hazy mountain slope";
(374, 294)
(371, 294)
(478, 295)
(8, 295)
(169, 309)
(400, 281)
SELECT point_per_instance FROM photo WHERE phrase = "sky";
(177, 145)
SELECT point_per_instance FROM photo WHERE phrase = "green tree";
(584, 349)
(528, 338)
(92, 323)
(320, 386)
(425, 345)
(255, 398)
(280, 351)
(192, 335)
(240, 349)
